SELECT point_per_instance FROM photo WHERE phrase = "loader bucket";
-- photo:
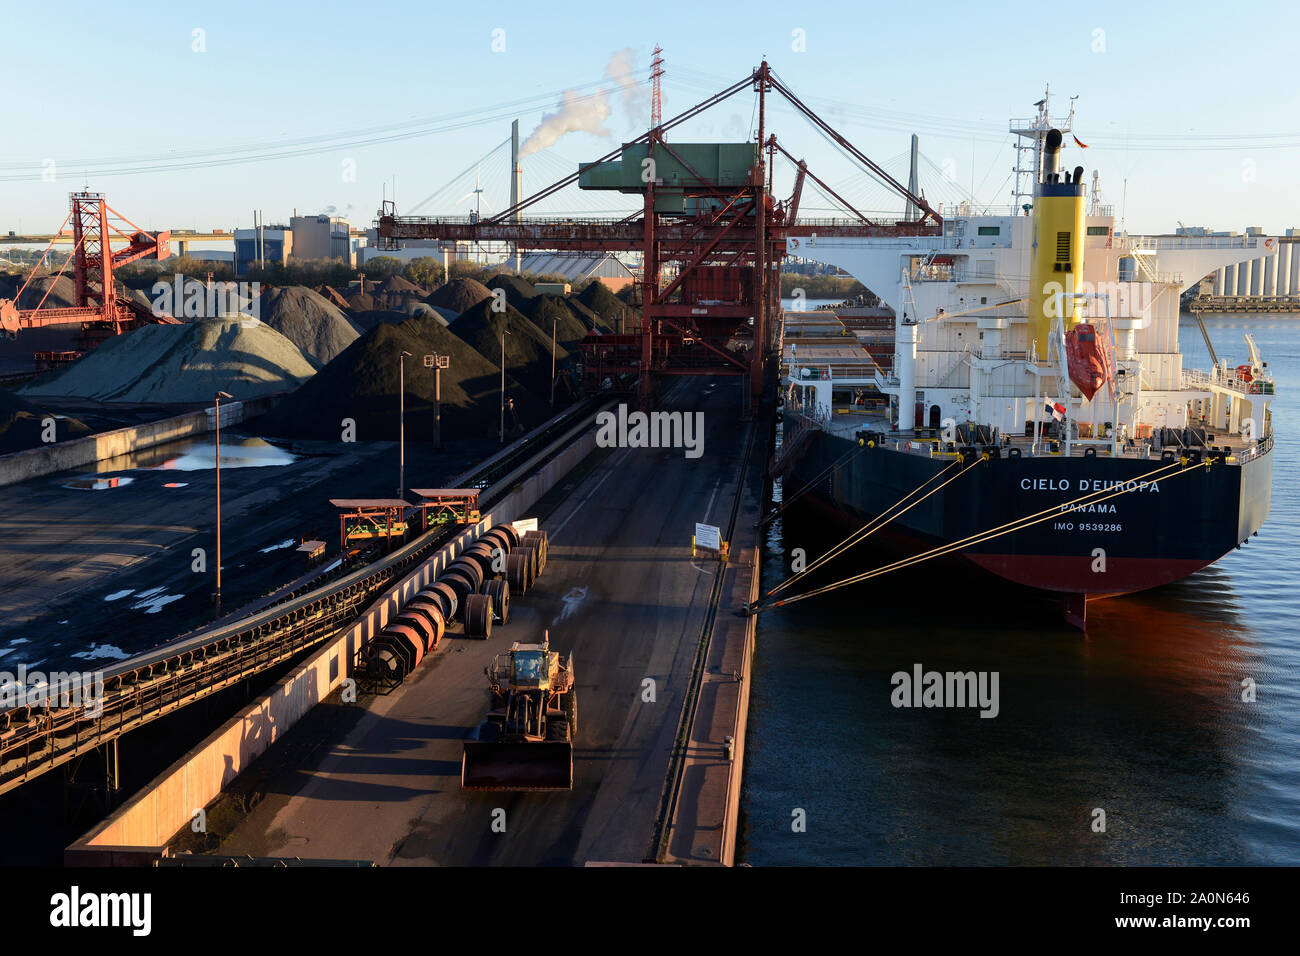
(495, 765)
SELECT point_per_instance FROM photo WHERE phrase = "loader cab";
(528, 668)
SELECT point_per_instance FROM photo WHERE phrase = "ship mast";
(1030, 134)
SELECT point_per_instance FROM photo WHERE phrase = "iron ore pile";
(182, 363)
(334, 356)
(363, 382)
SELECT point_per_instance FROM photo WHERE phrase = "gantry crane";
(707, 210)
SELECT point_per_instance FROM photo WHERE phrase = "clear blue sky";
(125, 81)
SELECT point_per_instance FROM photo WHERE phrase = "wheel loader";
(526, 742)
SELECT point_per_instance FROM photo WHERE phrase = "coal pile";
(422, 310)
(527, 348)
(459, 295)
(182, 364)
(309, 321)
(545, 310)
(22, 425)
(585, 315)
(366, 321)
(604, 303)
(362, 384)
(519, 292)
(361, 302)
(395, 292)
(398, 285)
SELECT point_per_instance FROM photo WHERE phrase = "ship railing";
(833, 372)
(1001, 354)
(1143, 272)
(944, 273)
(1196, 378)
(966, 210)
(1261, 447)
(1159, 243)
(806, 417)
(1038, 123)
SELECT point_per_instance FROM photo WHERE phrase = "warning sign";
(708, 537)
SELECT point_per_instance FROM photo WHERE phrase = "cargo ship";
(1028, 412)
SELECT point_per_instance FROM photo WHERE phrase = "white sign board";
(524, 525)
(707, 536)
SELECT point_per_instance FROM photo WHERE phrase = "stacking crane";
(100, 311)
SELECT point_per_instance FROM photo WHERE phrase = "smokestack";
(1051, 155)
(516, 181)
(913, 186)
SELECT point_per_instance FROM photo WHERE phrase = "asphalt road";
(65, 551)
(622, 593)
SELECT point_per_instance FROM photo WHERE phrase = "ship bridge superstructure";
(966, 350)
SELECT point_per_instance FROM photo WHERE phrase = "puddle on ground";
(200, 454)
(154, 600)
(286, 543)
(97, 484)
(101, 650)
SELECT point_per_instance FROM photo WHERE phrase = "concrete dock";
(624, 595)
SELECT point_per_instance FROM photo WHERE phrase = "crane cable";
(1009, 527)
(49, 248)
(58, 276)
(879, 521)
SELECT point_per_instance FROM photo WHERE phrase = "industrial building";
(578, 269)
(321, 237)
(271, 244)
(410, 249)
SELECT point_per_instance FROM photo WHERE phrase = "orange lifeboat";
(1091, 359)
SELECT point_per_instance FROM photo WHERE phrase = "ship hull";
(1167, 527)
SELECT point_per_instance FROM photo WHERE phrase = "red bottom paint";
(1074, 574)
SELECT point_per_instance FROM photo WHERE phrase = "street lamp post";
(401, 423)
(554, 320)
(504, 333)
(437, 362)
(217, 417)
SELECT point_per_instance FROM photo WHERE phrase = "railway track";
(40, 735)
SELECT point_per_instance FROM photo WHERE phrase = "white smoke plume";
(623, 70)
(574, 114)
(587, 114)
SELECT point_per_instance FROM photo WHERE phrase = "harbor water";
(1140, 725)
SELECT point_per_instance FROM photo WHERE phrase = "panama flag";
(1078, 142)
(1056, 410)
